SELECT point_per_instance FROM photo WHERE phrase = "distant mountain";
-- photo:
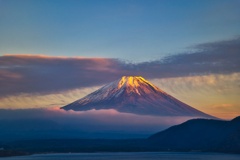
(132, 94)
(202, 135)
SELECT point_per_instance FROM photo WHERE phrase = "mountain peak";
(134, 94)
(133, 83)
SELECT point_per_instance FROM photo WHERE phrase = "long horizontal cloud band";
(45, 74)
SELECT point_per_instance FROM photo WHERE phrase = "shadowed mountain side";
(201, 134)
(132, 94)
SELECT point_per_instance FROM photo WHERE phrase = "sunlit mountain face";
(134, 94)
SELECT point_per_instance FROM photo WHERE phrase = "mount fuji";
(134, 94)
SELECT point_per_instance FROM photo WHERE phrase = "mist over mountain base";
(57, 123)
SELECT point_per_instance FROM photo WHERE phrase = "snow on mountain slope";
(134, 94)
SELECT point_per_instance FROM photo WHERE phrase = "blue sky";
(133, 30)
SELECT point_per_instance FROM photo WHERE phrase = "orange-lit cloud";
(224, 106)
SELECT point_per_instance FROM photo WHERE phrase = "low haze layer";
(58, 123)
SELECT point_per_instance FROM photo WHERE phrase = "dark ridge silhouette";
(202, 135)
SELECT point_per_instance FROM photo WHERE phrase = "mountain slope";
(201, 134)
(132, 94)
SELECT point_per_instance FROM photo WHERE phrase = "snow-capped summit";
(134, 94)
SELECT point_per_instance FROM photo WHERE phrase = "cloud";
(40, 74)
(217, 83)
(45, 74)
(223, 106)
(27, 100)
(205, 91)
(103, 121)
(219, 58)
(226, 110)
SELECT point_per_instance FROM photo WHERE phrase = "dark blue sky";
(134, 30)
